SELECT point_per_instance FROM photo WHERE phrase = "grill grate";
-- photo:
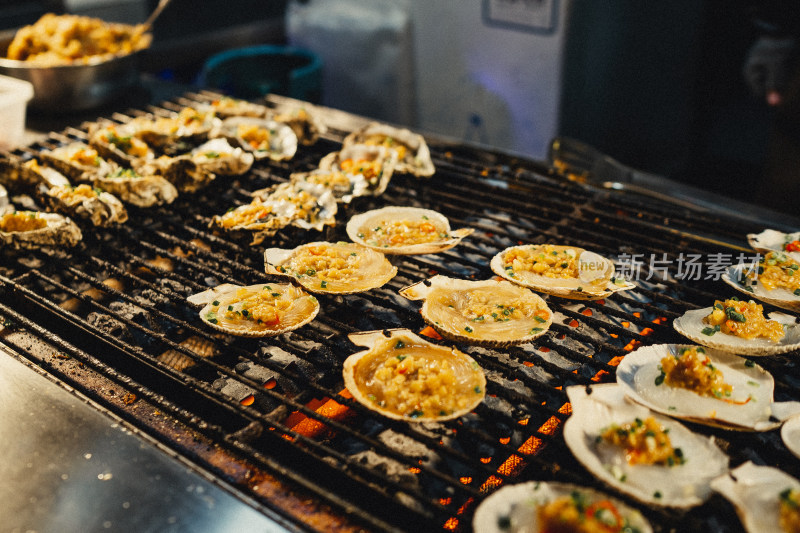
(278, 405)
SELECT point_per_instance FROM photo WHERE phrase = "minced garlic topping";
(263, 307)
(790, 511)
(692, 369)
(22, 221)
(646, 442)
(544, 260)
(371, 169)
(254, 135)
(305, 203)
(388, 142)
(329, 263)
(69, 193)
(402, 233)
(574, 514)
(779, 271)
(126, 143)
(329, 179)
(417, 381)
(252, 213)
(86, 156)
(267, 307)
(743, 319)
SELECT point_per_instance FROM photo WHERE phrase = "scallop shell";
(446, 300)
(513, 508)
(302, 310)
(79, 162)
(773, 240)
(736, 276)
(639, 370)
(302, 119)
(790, 435)
(685, 485)
(377, 217)
(596, 279)
(282, 140)
(386, 160)
(217, 156)
(101, 208)
(360, 368)
(371, 268)
(755, 493)
(58, 231)
(356, 185)
(417, 159)
(691, 326)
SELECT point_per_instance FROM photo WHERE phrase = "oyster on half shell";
(405, 377)
(217, 156)
(326, 267)
(344, 186)
(181, 171)
(263, 310)
(227, 106)
(302, 119)
(757, 493)
(178, 132)
(374, 164)
(599, 409)
(413, 155)
(404, 231)
(748, 405)
(101, 208)
(136, 189)
(565, 271)
(32, 229)
(27, 176)
(517, 508)
(265, 139)
(119, 144)
(491, 313)
(79, 162)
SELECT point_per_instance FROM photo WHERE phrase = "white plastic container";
(14, 97)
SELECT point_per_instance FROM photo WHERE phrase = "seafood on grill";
(177, 133)
(647, 456)
(404, 231)
(302, 119)
(217, 156)
(119, 143)
(490, 313)
(740, 327)
(373, 164)
(413, 155)
(404, 377)
(565, 271)
(77, 161)
(765, 498)
(344, 186)
(703, 385)
(181, 171)
(136, 189)
(538, 506)
(227, 106)
(262, 310)
(28, 176)
(773, 279)
(326, 267)
(771, 240)
(307, 206)
(101, 208)
(265, 139)
(32, 229)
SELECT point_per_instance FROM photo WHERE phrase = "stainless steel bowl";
(66, 88)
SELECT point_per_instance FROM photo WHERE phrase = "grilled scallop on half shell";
(404, 231)
(746, 279)
(747, 406)
(263, 310)
(414, 157)
(265, 139)
(692, 326)
(565, 271)
(371, 164)
(771, 240)
(488, 313)
(601, 410)
(531, 507)
(405, 377)
(761, 496)
(32, 229)
(333, 268)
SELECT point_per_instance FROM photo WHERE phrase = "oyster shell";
(598, 408)
(756, 492)
(565, 271)
(79, 162)
(344, 186)
(413, 155)
(101, 208)
(691, 326)
(491, 313)
(438, 383)
(325, 267)
(119, 144)
(217, 156)
(514, 508)
(264, 138)
(745, 278)
(404, 231)
(303, 121)
(263, 310)
(181, 171)
(227, 106)
(31, 229)
(307, 206)
(374, 164)
(750, 405)
(777, 241)
(18, 175)
(135, 189)
(177, 133)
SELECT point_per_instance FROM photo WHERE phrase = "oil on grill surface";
(280, 403)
